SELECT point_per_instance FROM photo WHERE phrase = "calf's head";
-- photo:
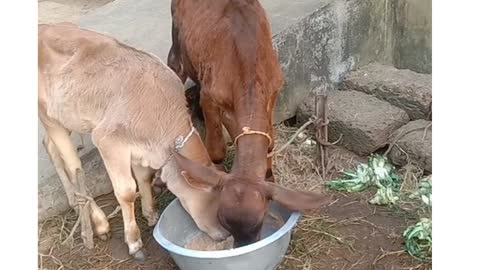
(243, 203)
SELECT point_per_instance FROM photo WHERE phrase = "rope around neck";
(248, 131)
(180, 142)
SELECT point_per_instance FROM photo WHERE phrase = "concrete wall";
(320, 49)
(413, 35)
(344, 35)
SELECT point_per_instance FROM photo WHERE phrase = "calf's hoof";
(102, 229)
(140, 256)
(103, 237)
(152, 218)
(158, 185)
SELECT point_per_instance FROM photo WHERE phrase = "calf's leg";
(65, 158)
(60, 169)
(117, 160)
(271, 132)
(144, 178)
(269, 174)
(214, 141)
(231, 125)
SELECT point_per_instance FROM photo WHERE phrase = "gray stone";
(403, 88)
(413, 142)
(364, 121)
(52, 199)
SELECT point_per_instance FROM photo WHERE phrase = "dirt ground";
(349, 234)
(110, 254)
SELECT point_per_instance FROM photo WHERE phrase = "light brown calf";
(134, 107)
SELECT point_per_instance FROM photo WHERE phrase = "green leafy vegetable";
(418, 239)
(384, 196)
(378, 172)
(424, 192)
(381, 174)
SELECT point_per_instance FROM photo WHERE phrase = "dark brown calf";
(225, 46)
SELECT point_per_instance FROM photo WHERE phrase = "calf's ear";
(296, 200)
(199, 176)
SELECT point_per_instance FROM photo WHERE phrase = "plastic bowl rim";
(173, 248)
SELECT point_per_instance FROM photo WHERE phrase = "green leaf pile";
(418, 239)
(379, 173)
(424, 192)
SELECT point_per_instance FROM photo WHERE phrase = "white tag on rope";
(180, 140)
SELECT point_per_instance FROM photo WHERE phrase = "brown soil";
(349, 234)
(352, 234)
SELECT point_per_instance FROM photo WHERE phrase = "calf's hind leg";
(69, 168)
(60, 168)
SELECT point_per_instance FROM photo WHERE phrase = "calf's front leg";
(144, 177)
(214, 140)
(117, 160)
